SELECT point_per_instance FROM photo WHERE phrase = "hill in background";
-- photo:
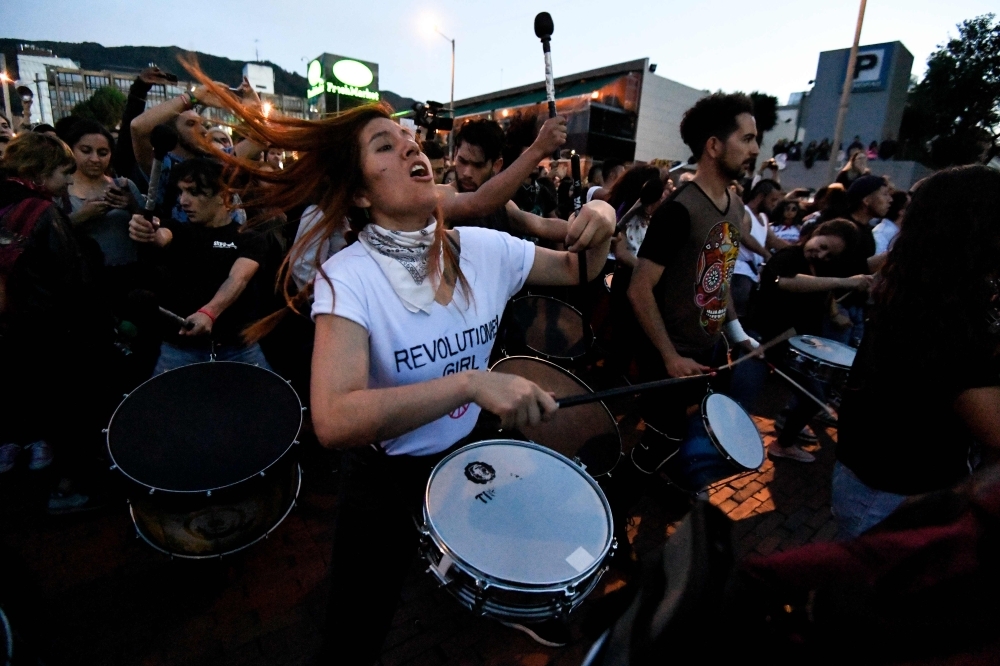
(94, 56)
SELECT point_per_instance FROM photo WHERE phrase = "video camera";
(432, 115)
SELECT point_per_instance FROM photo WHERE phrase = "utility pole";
(845, 97)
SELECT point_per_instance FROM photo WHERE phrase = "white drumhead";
(518, 512)
(734, 430)
(828, 351)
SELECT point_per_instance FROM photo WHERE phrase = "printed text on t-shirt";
(420, 355)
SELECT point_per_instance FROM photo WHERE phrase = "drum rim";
(186, 556)
(471, 570)
(715, 438)
(582, 383)
(588, 331)
(116, 467)
(821, 361)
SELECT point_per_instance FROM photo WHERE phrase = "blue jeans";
(857, 507)
(852, 334)
(172, 357)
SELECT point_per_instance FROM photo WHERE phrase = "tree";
(953, 114)
(105, 106)
(765, 112)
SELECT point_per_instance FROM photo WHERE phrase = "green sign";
(342, 76)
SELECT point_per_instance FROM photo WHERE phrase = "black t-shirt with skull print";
(697, 244)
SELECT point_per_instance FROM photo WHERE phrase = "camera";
(433, 116)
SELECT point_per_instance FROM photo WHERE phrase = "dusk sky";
(772, 47)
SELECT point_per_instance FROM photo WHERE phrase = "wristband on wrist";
(207, 314)
(734, 331)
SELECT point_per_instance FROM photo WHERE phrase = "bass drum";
(548, 328)
(588, 433)
(207, 453)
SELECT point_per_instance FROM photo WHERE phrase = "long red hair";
(327, 173)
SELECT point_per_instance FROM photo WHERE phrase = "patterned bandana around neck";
(402, 256)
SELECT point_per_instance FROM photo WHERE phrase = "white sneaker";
(791, 452)
(41, 455)
(8, 456)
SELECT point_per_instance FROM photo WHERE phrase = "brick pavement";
(94, 594)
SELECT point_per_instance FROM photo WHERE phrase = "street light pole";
(451, 104)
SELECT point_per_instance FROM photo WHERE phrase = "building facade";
(623, 112)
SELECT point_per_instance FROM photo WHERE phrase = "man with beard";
(680, 289)
(478, 157)
(192, 141)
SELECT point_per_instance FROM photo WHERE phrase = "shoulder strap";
(16, 225)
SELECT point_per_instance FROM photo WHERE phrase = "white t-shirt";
(304, 268)
(748, 262)
(885, 233)
(411, 347)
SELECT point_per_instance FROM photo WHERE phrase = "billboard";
(349, 82)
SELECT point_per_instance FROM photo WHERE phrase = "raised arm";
(143, 124)
(498, 190)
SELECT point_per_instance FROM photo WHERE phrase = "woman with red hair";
(405, 320)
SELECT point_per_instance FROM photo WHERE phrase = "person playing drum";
(405, 322)
(795, 288)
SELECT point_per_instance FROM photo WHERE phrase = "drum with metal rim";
(548, 328)
(515, 531)
(207, 452)
(587, 433)
(827, 361)
(721, 441)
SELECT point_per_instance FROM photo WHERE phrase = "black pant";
(374, 542)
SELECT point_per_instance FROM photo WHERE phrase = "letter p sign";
(866, 63)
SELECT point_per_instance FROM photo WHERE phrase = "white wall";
(28, 66)
(261, 77)
(661, 107)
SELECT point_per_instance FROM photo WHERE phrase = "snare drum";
(586, 433)
(826, 361)
(207, 453)
(515, 531)
(721, 441)
(548, 328)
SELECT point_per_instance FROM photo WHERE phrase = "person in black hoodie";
(56, 334)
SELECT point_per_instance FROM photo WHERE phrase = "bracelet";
(208, 314)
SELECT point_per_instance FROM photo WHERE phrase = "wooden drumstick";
(759, 351)
(825, 407)
(585, 398)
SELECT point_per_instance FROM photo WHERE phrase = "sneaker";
(550, 633)
(41, 455)
(60, 502)
(8, 456)
(791, 452)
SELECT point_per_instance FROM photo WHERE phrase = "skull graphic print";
(714, 274)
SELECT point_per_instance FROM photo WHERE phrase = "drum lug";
(124, 395)
(304, 409)
(152, 490)
(295, 442)
(114, 467)
(104, 431)
(579, 462)
(208, 493)
(262, 474)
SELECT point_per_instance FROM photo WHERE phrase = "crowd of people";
(327, 249)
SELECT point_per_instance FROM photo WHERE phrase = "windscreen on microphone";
(164, 139)
(543, 25)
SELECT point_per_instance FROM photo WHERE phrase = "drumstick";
(177, 319)
(759, 351)
(809, 395)
(585, 398)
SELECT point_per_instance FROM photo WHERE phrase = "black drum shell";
(568, 341)
(203, 525)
